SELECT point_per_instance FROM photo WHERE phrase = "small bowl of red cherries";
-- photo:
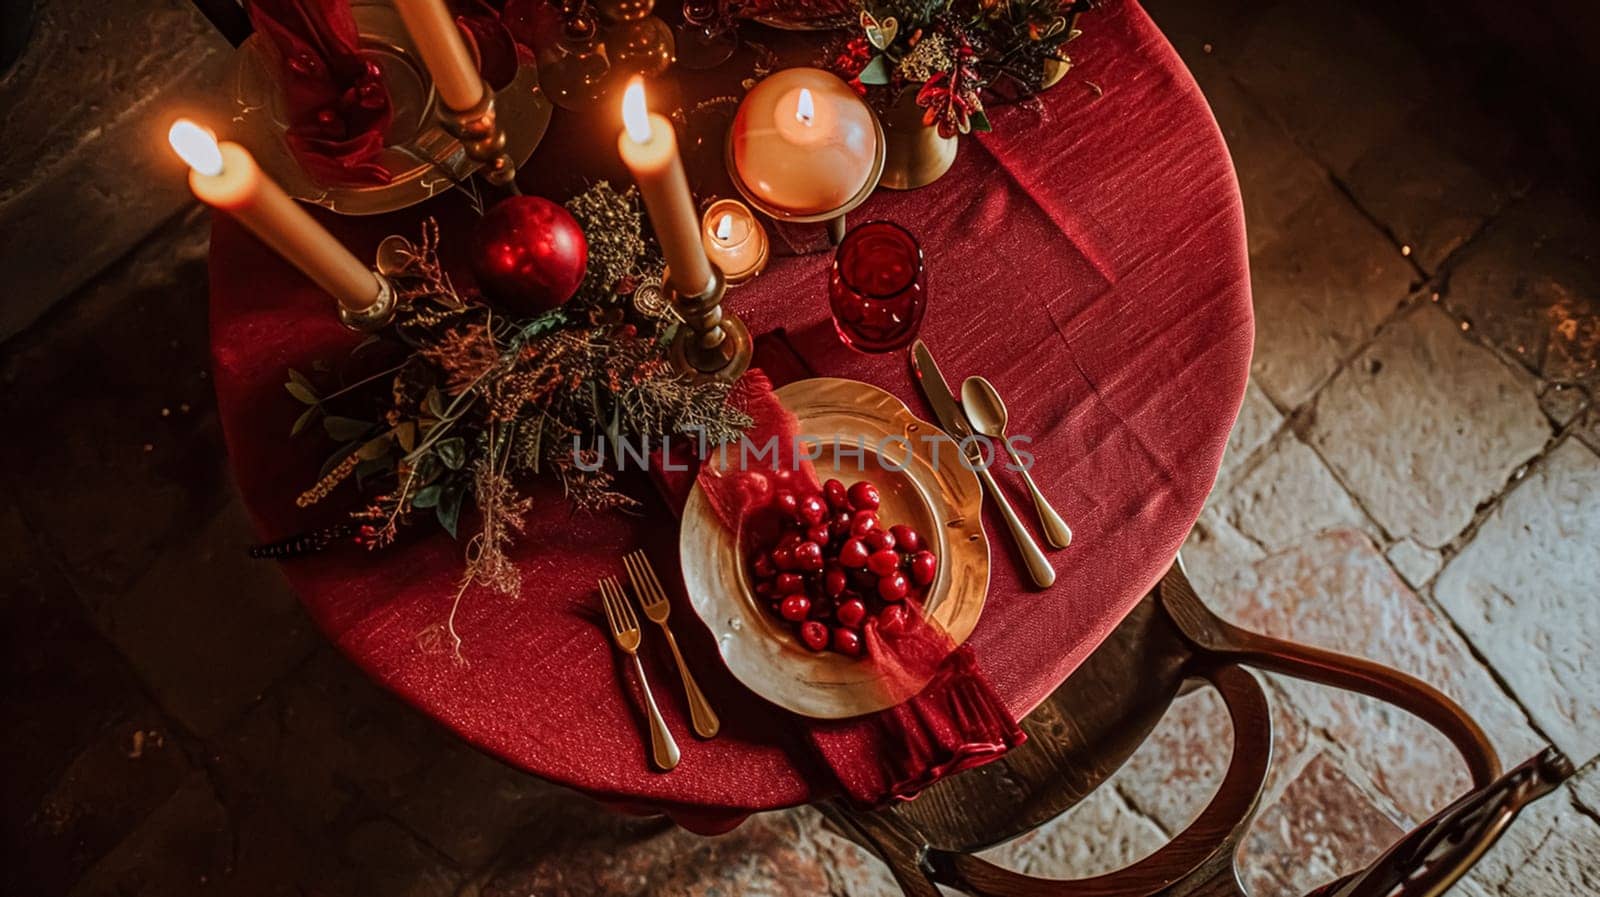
(826, 565)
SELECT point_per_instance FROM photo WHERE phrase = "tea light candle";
(650, 150)
(433, 29)
(734, 239)
(226, 177)
(803, 142)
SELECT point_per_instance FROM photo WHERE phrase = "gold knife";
(954, 421)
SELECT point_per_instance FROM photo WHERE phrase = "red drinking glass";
(876, 291)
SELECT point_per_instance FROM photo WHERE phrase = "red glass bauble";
(529, 254)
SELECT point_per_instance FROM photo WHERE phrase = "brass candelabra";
(483, 139)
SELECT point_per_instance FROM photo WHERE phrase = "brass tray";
(424, 160)
(935, 493)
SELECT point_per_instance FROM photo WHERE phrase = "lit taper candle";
(226, 177)
(650, 150)
(433, 29)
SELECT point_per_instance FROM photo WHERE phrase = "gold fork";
(625, 629)
(653, 599)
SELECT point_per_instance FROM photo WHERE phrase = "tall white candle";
(650, 150)
(438, 40)
(226, 177)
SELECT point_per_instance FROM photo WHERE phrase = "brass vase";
(914, 153)
(1054, 71)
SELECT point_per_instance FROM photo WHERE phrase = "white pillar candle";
(226, 177)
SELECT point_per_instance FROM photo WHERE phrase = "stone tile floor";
(1414, 478)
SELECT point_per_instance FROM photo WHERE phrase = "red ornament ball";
(529, 254)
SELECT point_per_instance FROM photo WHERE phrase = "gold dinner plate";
(934, 493)
(422, 159)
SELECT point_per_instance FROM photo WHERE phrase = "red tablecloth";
(1088, 257)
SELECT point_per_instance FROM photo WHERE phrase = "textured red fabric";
(337, 105)
(1088, 257)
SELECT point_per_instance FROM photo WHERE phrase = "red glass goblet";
(876, 290)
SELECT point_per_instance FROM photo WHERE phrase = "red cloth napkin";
(955, 722)
(338, 106)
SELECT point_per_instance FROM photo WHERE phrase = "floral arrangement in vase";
(954, 52)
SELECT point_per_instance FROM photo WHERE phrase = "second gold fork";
(625, 629)
(653, 599)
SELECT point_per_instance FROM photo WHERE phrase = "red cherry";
(838, 497)
(790, 539)
(812, 510)
(883, 562)
(846, 641)
(786, 503)
(863, 522)
(851, 613)
(853, 553)
(761, 565)
(783, 477)
(789, 584)
(833, 582)
(814, 634)
(892, 620)
(763, 590)
(864, 496)
(808, 556)
(783, 558)
(907, 538)
(840, 523)
(880, 540)
(923, 566)
(893, 587)
(819, 534)
(795, 607)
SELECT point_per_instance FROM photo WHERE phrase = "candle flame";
(804, 108)
(725, 227)
(635, 112)
(196, 146)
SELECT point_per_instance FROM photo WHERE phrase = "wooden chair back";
(1086, 730)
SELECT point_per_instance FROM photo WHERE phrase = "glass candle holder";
(734, 240)
(876, 289)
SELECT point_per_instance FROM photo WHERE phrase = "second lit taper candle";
(226, 177)
(650, 150)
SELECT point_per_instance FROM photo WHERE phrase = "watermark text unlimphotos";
(835, 453)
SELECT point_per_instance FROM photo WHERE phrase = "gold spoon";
(987, 413)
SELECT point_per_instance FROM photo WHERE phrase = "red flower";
(949, 110)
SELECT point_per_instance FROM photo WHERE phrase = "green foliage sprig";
(463, 403)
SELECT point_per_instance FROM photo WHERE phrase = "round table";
(1088, 257)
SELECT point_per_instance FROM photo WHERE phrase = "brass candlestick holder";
(483, 139)
(711, 345)
(375, 316)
